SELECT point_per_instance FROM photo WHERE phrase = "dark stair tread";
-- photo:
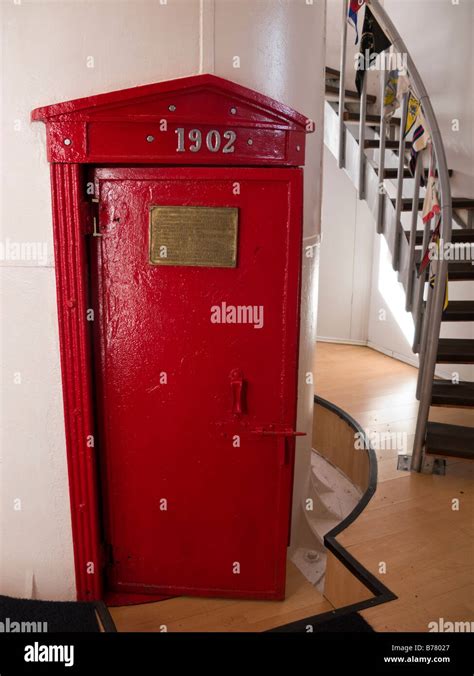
(457, 236)
(450, 440)
(455, 351)
(393, 173)
(457, 202)
(460, 272)
(459, 310)
(446, 393)
(332, 73)
(349, 94)
(389, 144)
(369, 119)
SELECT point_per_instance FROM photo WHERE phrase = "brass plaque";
(196, 236)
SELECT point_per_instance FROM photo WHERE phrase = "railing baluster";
(383, 133)
(362, 117)
(420, 310)
(424, 338)
(342, 85)
(411, 269)
(401, 167)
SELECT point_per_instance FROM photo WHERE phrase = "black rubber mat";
(23, 615)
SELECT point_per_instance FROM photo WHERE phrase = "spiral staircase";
(375, 156)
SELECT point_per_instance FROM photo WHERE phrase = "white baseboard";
(412, 361)
(341, 341)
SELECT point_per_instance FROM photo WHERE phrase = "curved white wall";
(47, 50)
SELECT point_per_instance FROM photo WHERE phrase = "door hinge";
(91, 217)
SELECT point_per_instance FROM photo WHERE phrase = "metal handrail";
(342, 86)
(433, 309)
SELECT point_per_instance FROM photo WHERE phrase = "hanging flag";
(412, 114)
(354, 7)
(420, 135)
(446, 297)
(412, 166)
(390, 102)
(420, 140)
(433, 262)
(434, 239)
(431, 204)
(403, 86)
(373, 41)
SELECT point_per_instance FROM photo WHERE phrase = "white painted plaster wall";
(346, 258)
(46, 46)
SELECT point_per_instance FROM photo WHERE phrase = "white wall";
(346, 258)
(439, 36)
(45, 50)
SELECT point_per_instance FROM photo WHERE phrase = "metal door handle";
(282, 435)
(282, 432)
(237, 385)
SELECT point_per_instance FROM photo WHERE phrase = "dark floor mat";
(16, 615)
(328, 622)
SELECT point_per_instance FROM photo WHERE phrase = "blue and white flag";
(354, 7)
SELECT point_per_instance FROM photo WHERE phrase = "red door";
(196, 378)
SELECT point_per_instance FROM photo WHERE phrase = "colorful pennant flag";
(373, 41)
(354, 7)
(420, 140)
(412, 113)
(434, 239)
(428, 260)
(412, 165)
(446, 298)
(431, 203)
(390, 101)
(403, 86)
(420, 135)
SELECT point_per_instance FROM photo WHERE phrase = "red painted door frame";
(126, 127)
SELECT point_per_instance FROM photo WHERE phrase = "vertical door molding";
(71, 288)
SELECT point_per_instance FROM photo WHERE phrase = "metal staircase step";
(457, 202)
(449, 440)
(460, 272)
(332, 73)
(393, 172)
(446, 393)
(459, 310)
(389, 144)
(332, 93)
(457, 236)
(455, 351)
(372, 120)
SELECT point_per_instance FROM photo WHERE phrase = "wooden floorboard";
(409, 525)
(211, 615)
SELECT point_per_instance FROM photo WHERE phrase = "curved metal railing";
(429, 314)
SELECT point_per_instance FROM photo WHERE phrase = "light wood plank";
(210, 615)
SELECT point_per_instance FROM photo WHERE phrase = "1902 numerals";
(214, 141)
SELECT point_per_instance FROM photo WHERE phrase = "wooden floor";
(409, 525)
(427, 547)
(198, 614)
